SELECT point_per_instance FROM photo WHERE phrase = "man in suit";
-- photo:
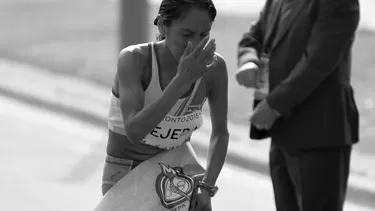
(309, 110)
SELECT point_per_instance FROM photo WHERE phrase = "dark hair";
(171, 10)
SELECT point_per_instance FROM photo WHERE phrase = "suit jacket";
(310, 70)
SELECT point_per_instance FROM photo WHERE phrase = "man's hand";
(247, 74)
(264, 116)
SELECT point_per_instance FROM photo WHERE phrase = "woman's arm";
(140, 120)
(218, 103)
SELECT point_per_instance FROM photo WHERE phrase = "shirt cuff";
(247, 65)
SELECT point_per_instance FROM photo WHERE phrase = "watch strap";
(210, 188)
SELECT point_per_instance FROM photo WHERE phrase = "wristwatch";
(212, 189)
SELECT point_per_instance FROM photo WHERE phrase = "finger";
(253, 119)
(198, 207)
(209, 61)
(211, 66)
(192, 205)
(214, 48)
(215, 60)
(207, 52)
(203, 54)
(193, 201)
(211, 55)
(209, 58)
(261, 127)
(200, 45)
(188, 49)
(210, 47)
(208, 208)
(198, 203)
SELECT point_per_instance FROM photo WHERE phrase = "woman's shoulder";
(219, 69)
(134, 55)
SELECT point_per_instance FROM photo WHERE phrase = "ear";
(160, 24)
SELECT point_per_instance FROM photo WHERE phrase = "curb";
(58, 92)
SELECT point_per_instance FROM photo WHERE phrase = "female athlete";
(158, 94)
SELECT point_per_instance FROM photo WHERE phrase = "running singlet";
(177, 127)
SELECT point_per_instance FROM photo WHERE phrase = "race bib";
(173, 131)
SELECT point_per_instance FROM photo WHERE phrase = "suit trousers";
(309, 179)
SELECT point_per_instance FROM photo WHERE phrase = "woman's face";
(194, 25)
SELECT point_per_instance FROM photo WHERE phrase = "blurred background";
(57, 64)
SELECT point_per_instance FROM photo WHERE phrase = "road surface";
(44, 166)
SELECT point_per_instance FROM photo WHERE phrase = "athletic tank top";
(176, 127)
